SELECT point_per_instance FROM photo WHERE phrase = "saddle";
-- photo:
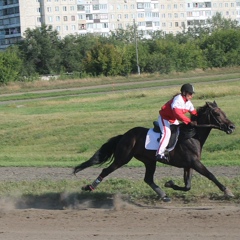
(178, 132)
(174, 134)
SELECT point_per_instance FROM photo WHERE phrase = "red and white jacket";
(176, 108)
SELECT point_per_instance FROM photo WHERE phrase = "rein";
(207, 126)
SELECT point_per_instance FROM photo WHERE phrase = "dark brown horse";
(186, 154)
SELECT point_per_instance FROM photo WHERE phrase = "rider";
(172, 112)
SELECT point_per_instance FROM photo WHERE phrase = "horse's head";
(212, 114)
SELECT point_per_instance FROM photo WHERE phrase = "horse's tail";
(104, 154)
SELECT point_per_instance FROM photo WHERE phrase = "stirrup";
(161, 158)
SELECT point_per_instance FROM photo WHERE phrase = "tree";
(218, 22)
(10, 65)
(40, 50)
(104, 59)
(222, 48)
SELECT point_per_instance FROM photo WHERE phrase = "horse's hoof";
(228, 193)
(169, 184)
(87, 188)
(166, 199)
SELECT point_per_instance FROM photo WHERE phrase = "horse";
(120, 149)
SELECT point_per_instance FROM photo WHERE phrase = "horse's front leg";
(150, 170)
(187, 177)
(200, 168)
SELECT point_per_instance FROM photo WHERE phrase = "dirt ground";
(115, 218)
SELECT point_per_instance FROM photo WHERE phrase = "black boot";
(161, 158)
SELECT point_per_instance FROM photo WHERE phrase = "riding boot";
(162, 158)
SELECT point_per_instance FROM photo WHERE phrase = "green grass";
(47, 192)
(66, 131)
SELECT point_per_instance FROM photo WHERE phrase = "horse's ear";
(208, 104)
(211, 105)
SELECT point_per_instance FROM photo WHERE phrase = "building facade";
(103, 16)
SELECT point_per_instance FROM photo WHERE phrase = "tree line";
(42, 52)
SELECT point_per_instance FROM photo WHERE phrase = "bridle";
(219, 124)
(216, 120)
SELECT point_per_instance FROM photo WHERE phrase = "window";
(105, 25)
(95, 7)
(103, 16)
(140, 6)
(149, 24)
(81, 17)
(103, 6)
(81, 26)
(73, 18)
(65, 18)
(176, 24)
(148, 14)
(89, 17)
(208, 4)
(80, 7)
(147, 5)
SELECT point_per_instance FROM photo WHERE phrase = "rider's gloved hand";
(193, 123)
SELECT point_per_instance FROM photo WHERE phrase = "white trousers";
(166, 134)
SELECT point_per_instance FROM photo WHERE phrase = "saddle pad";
(151, 142)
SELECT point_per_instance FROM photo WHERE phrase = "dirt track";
(115, 218)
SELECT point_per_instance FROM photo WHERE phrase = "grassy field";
(64, 128)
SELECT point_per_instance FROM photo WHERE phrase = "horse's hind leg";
(119, 161)
(187, 176)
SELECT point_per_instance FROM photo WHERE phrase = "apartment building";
(103, 16)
